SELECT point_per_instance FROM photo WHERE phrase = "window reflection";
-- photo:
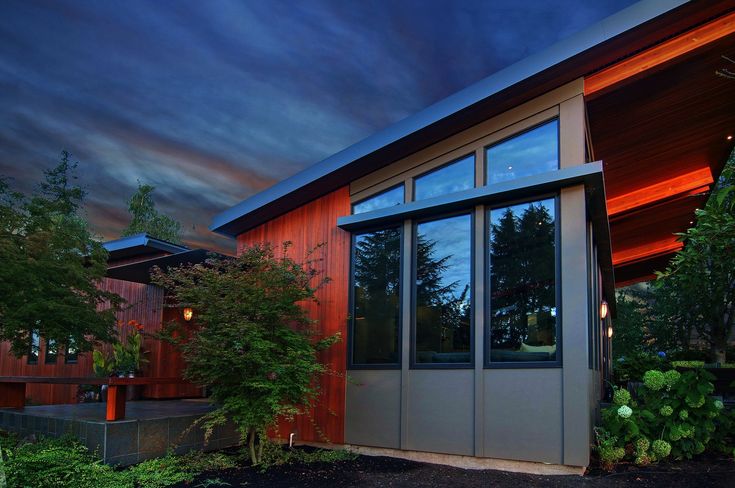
(532, 152)
(388, 198)
(522, 283)
(454, 177)
(34, 348)
(51, 351)
(377, 266)
(443, 290)
(72, 352)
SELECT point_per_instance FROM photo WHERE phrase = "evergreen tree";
(144, 218)
(51, 267)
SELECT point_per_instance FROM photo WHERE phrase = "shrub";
(674, 409)
(632, 368)
(255, 347)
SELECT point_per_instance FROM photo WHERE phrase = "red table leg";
(116, 402)
(13, 395)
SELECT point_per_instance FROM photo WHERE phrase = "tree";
(697, 290)
(253, 345)
(51, 267)
(144, 218)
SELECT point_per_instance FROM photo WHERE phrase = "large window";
(376, 297)
(453, 177)
(71, 355)
(52, 351)
(532, 152)
(443, 290)
(522, 260)
(388, 198)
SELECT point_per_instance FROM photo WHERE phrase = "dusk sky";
(213, 101)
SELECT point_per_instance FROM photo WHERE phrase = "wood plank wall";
(305, 227)
(144, 305)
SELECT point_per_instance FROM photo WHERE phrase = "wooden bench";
(13, 389)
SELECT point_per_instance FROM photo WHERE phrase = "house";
(129, 263)
(473, 247)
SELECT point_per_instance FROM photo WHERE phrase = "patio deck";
(150, 428)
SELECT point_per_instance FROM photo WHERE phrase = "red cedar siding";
(306, 227)
(145, 305)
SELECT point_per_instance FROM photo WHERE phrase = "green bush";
(52, 463)
(276, 455)
(674, 415)
(632, 368)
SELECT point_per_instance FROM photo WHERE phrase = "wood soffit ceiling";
(660, 125)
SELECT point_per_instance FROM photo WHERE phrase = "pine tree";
(144, 218)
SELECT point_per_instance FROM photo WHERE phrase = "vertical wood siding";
(305, 227)
(144, 305)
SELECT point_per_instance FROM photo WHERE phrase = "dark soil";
(366, 471)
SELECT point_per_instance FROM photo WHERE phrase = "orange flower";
(139, 326)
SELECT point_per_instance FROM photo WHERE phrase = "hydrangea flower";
(671, 377)
(642, 460)
(642, 445)
(666, 410)
(661, 354)
(625, 411)
(695, 403)
(621, 397)
(719, 405)
(675, 433)
(661, 448)
(683, 415)
(654, 379)
(698, 447)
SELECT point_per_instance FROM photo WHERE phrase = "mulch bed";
(367, 471)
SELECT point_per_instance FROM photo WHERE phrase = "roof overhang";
(636, 28)
(140, 271)
(139, 245)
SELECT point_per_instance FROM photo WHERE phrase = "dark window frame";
(485, 149)
(351, 303)
(375, 195)
(441, 167)
(487, 326)
(46, 356)
(413, 364)
(66, 355)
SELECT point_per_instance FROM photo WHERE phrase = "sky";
(213, 101)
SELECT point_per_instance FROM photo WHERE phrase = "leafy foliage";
(52, 266)
(697, 290)
(673, 414)
(144, 218)
(255, 348)
(52, 463)
(277, 455)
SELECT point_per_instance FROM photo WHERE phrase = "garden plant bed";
(367, 471)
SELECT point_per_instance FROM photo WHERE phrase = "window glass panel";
(377, 268)
(454, 177)
(51, 351)
(72, 353)
(388, 198)
(34, 348)
(522, 283)
(532, 152)
(443, 290)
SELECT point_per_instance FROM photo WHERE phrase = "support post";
(116, 402)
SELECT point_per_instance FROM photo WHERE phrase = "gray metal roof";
(326, 175)
(136, 243)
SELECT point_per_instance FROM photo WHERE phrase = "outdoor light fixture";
(609, 332)
(188, 313)
(729, 138)
(603, 311)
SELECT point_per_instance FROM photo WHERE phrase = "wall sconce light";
(609, 332)
(188, 313)
(603, 310)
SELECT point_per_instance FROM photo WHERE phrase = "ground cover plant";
(673, 415)
(253, 345)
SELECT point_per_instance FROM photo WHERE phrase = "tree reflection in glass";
(443, 291)
(377, 267)
(522, 282)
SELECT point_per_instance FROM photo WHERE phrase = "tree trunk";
(251, 444)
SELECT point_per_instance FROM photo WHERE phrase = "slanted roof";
(139, 245)
(140, 271)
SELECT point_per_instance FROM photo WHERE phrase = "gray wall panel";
(523, 414)
(373, 410)
(441, 411)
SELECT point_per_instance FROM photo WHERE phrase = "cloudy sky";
(213, 101)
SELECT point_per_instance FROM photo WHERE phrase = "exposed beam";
(659, 54)
(646, 251)
(682, 186)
